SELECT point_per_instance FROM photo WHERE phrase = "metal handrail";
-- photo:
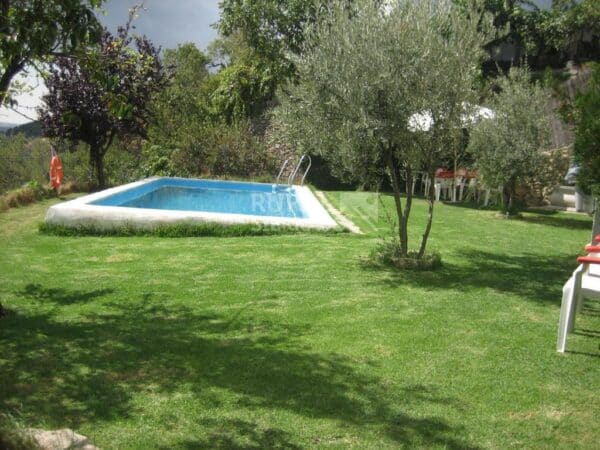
(281, 170)
(307, 169)
(295, 172)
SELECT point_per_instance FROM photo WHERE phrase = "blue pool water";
(255, 199)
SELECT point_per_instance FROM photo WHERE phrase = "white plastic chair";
(472, 188)
(584, 283)
(459, 184)
(425, 183)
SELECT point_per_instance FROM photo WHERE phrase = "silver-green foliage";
(366, 70)
(508, 148)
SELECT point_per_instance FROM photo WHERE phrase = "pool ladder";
(294, 173)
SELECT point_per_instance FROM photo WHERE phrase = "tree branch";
(13, 67)
(21, 114)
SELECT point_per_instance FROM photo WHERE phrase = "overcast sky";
(166, 22)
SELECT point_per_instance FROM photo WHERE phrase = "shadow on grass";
(538, 216)
(560, 221)
(60, 296)
(470, 205)
(534, 277)
(66, 372)
(236, 434)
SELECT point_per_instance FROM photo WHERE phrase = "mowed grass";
(293, 341)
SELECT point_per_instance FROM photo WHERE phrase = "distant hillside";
(31, 129)
(5, 126)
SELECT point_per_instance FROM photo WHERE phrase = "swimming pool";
(159, 201)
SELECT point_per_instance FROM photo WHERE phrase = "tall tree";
(565, 25)
(104, 95)
(587, 133)
(34, 30)
(245, 86)
(369, 74)
(587, 140)
(274, 29)
(184, 100)
(508, 148)
(181, 110)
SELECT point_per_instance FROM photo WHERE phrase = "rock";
(61, 440)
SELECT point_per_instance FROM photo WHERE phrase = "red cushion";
(588, 260)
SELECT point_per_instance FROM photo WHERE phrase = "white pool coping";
(81, 213)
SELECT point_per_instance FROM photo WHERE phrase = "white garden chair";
(425, 183)
(472, 190)
(584, 283)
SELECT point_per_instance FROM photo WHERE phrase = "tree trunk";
(97, 157)
(402, 232)
(505, 198)
(430, 202)
(512, 194)
(13, 68)
(508, 197)
(407, 208)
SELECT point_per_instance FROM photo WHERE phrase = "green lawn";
(291, 341)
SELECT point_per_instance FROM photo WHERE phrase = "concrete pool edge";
(341, 219)
(81, 213)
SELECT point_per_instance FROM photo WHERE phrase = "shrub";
(221, 149)
(34, 191)
(29, 193)
(388, 253)
(74, 186)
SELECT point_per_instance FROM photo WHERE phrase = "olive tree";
(508, 148)
(367, 73)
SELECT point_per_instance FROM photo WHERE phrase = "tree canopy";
(33, 30)
(587, 134)
(508, 147)
(274, 29)
(366, 72)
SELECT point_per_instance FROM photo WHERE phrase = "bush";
(388, 253)
(74, 186)
(123, 162)
(31, 192)
(219, 150)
